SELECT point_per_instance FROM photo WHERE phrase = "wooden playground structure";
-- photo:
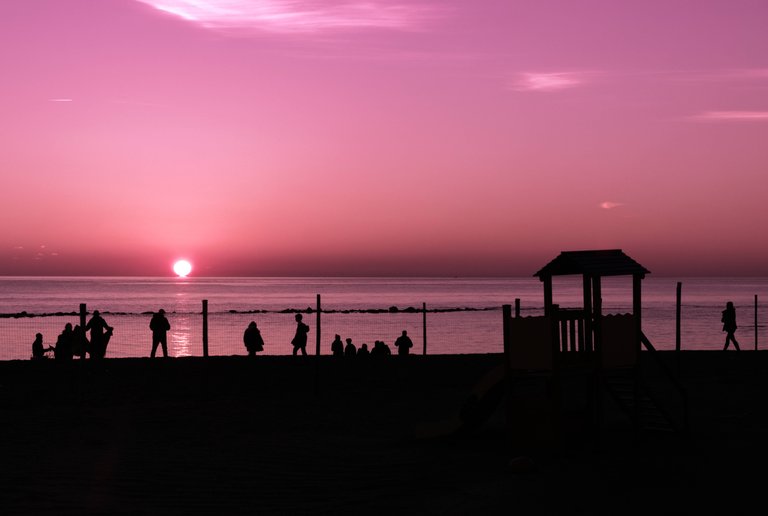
(578, 358)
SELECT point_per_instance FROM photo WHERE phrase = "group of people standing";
(73, 341)
(338, 349)
(254, 342)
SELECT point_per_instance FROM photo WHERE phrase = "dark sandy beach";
(291, 436)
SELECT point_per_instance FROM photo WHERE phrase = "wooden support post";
(424, 326)
(597, 307)
(83, 312)
(587, 281)
(547, 295)
(317, 332)
(637, 313)
(205, 327)
(597, 304)
(517, 307)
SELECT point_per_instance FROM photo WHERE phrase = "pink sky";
(437, 137)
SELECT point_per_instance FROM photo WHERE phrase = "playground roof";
(607, 262)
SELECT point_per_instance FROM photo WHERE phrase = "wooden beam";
(547, 295)
(587, 312)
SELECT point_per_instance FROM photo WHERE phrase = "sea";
(463, 315)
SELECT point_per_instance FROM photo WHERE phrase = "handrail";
(668, 372)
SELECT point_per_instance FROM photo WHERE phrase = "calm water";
(125, 302)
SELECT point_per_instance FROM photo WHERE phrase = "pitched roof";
(607, 262)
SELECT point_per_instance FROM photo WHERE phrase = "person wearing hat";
(159, 326)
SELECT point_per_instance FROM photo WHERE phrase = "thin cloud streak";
(736, 116)
(609, 205)
(60, 100)
(294, 15)
(547, 82)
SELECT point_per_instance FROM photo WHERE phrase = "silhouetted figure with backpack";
(38, 350)
(350, 350)
(729, 325)
(337, 347)
(300, 339)
(64, 342)
(403, 344)
(100, 333)
(159, 326)
(252, 339)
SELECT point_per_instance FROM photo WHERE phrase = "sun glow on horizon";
(182, 268)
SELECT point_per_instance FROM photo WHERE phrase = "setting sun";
(182, 268)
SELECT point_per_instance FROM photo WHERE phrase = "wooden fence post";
(517, 307)
(678, 313)
(83, 312)
(317, 347)
(205, 327)
(424, 326)
(755, 322)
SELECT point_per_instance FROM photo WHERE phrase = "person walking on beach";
(252, 339)
(159, 326)
(337, 347)
(729, 325)
(38, 351)
(300, 339)
(403, 344)
(99, 330)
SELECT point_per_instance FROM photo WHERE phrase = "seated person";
(38, 351)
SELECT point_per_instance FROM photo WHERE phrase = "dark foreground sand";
(279, 435)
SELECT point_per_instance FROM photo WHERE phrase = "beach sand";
(285, 435)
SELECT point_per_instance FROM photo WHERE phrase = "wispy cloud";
(295, 15)
(550, 81)
(733, 116)
(609, 205)
(60, 100)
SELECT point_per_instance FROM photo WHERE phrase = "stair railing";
(671, 376)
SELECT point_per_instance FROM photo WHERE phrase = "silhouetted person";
(159, 326)
(337, 347)
(38, 350)
(363, 351)
(64, 343)
(380, 349)
(729, 325)
(252, 339)
(300, 339)
(403, 344)
(79, 341)
(350, 350)
(98, 328)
